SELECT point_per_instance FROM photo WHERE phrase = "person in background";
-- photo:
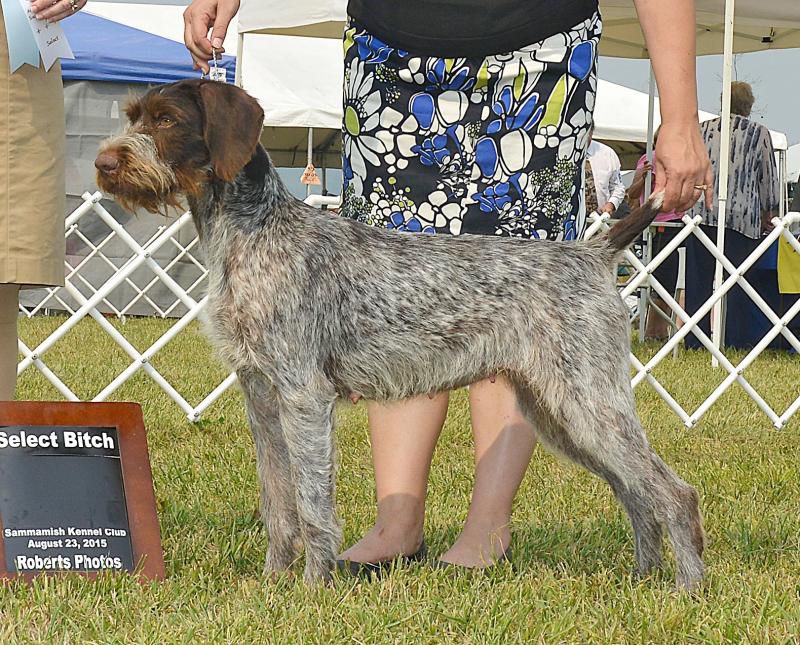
(753, 199)
(32, 193)
(667, 272)
(604, 166)
(472, 117)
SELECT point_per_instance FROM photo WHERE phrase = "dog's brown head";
(181, 136)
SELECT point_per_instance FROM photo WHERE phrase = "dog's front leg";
(307, 419)
(278, 507)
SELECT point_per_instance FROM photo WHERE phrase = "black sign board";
(75, 490)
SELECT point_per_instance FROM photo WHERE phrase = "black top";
(467, 28)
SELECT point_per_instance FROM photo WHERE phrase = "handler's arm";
(681, 159)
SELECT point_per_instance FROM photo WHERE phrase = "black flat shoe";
(506, 556)
(377, 569)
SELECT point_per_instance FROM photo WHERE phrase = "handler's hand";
(55, 11)
(199, 17)
(681, 164)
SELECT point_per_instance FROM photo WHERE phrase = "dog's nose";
(106, 162)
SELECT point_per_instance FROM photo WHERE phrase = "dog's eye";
(165, 122)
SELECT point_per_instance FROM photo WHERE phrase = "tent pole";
(309, 155)
(239, 51)
(644, 293)
(784, 191)
(717, 330)
(651, 111)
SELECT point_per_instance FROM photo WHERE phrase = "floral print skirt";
(491, 146)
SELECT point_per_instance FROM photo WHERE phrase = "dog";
(308, 307)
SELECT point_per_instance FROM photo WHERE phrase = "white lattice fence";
(141, 256)
(644, 276)
(80, 298)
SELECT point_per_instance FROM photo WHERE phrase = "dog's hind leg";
(646, 528)
(597, 427)
(307, 420)
(278, 506)
(648, 533)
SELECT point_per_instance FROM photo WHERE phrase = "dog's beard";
(142, 180)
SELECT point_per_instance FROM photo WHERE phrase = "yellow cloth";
(788, 267)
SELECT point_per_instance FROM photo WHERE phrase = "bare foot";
(478, 549)
(382, 543)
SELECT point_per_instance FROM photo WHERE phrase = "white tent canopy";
(165, 20)
(298, 80)
(323, 19)
(620, 114)
(793, 163)
(760, 24)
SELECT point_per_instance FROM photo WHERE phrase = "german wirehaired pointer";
(307, 307)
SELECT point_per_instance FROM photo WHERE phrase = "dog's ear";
(232, 122)
(133, 109)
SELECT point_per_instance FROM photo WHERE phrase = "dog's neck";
(260, 176)
(255, 197)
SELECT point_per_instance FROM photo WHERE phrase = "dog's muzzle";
(107, 163)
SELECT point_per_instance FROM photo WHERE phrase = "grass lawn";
(573, 548)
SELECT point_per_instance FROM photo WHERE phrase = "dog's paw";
(275, 577)
(690, 580)
(278, 560)
(317, 574)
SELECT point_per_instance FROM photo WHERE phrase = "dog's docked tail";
(624, 232)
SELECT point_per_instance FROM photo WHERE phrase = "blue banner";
(21, 43)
